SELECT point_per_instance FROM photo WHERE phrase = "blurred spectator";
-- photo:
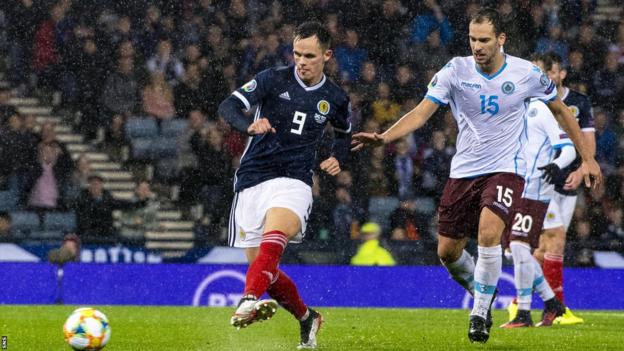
(5, 228)
(18, 149)
(514, 18)
(79, 180)
(593, 47)
(579, 76)
(23, 17)
(436, 165)
(115, 138)
(608, 83)
(269, 54)
(150, 32)
(367, 86)
(215, 170)
(46, 48)
(583, 240)
(437, 55)
(89, 69)
(158, 98)
(136, 222)
(120, 94)
(188, 95)
(385, 110)
(94, 213)
(404, 169)
(613, 238)
(555, 43)
(370, 252)
(404, 86)
(166, 64)
(408, 224)
(384, 28)
(617, 47)
(431, 18)
(346, 217)
(189, 177)
(606, 142)
(46, 182)
(350, 57)
(6, 110)
(68, 252)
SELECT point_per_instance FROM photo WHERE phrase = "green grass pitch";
(186, 328)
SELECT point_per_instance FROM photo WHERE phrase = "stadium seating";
(23, 223)
(173, 127)
(139, 127)
(47, 235)
(8, 200)
(60, 221)
(380, 209)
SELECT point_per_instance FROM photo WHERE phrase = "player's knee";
(448, 254)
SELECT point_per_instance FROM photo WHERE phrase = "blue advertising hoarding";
(221, 285)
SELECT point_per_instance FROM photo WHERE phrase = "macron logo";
(285, 95)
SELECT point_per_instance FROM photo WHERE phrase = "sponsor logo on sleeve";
(544, 80)
(250, 86)
(434, 82)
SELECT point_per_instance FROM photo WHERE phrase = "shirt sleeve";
(556, 136)
(255, 90)
(540, 86)
(439, 89)
(342, 119)
(342, 132)
(586, 116)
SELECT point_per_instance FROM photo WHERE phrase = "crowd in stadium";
(111, 65)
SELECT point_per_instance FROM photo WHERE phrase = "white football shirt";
(544, 138)
(490, 112)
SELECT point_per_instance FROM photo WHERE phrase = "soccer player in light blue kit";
(488, 93)
(545, 139)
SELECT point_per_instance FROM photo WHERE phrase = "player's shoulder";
(521, 65)
(577, 97)
(537, 108)
(335, 90)
(457, 63)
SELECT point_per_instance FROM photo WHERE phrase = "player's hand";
(360, 140)
(261, 126)
(550, 171)
(592, 175)
(574, 180)
(331, 166)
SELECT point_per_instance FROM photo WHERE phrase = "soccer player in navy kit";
(273, 195)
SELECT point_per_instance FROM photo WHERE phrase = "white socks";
(462, 271)
(524, 273)
(486, 274)
(541, 286)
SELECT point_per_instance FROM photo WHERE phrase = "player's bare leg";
(280, 286)
(457, 260)
(487, 272)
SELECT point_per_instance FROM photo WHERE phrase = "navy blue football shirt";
(581, 108)
(299, 114)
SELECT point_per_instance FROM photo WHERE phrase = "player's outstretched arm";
(331, 166)
(589, 168)
(411, 121)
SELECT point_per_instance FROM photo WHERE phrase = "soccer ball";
(87, 329)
